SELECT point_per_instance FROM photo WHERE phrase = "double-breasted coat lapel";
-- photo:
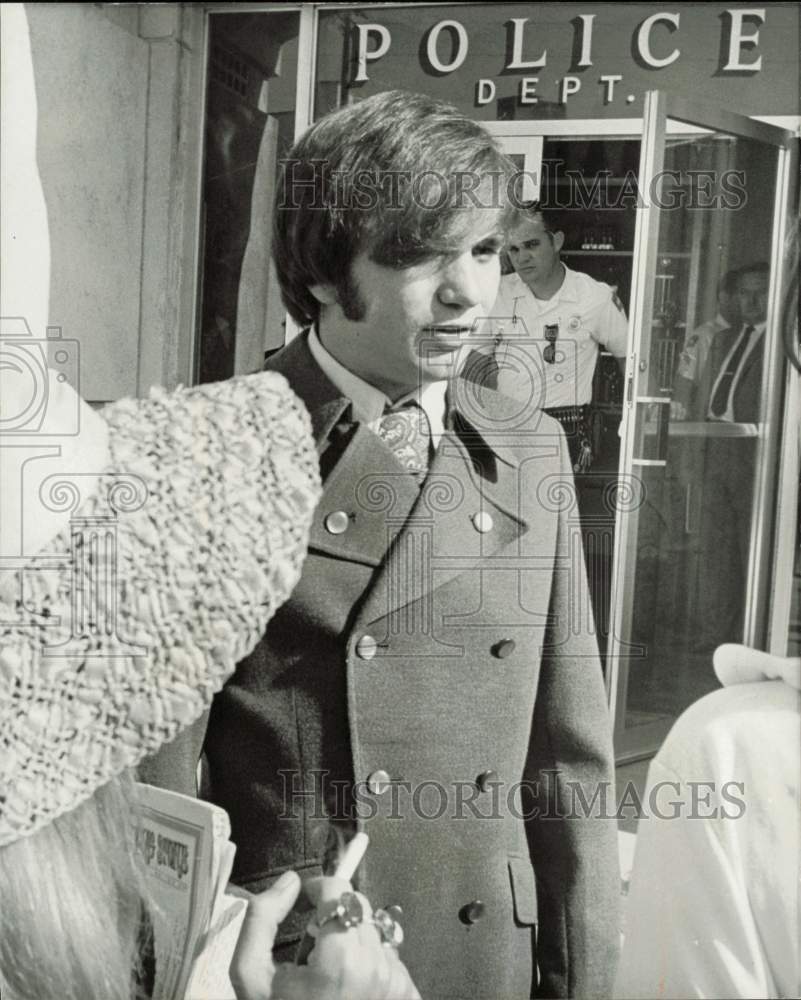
(461, 516)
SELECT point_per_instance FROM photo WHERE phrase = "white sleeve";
(612, 324)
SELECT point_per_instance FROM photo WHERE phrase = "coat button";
(472, 912)
(366, 647)
(482, 521)
(486, 779)
(337, 522)
(378, 782)
(504, 648)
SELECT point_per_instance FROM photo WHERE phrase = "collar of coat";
(488, 422)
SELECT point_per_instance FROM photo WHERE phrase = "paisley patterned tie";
(407, 434)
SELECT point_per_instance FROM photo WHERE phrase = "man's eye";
(487, 249)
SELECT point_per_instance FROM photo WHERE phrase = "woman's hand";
(345, 964)
(252, 968)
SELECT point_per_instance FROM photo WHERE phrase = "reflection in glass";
(592, 182)
(699, 416)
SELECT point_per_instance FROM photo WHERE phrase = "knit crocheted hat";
(119, 634)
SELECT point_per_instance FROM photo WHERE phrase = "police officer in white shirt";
(550, 323)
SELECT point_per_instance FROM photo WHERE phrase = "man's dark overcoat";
(435, 673)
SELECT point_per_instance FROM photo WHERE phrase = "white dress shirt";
(370, 403)
(695, 353)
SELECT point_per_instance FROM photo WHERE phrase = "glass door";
(701, 428)
(589, 183)
(585, 174)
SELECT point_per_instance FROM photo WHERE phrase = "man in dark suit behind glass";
(735, 398)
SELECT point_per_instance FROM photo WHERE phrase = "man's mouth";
(443, 337)
(446, 330)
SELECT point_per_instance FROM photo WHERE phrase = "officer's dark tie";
(407, 433)
(720, 400)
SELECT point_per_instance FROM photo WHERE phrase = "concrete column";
(120, 94)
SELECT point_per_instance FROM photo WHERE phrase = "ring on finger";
(347, 911)
(388, 927)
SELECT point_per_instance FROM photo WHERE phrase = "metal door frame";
(659, 108)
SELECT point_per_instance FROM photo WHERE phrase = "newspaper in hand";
(188, 856)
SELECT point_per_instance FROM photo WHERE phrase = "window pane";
(250, 119)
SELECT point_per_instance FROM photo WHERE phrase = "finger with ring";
(389, 928)
(347, 911)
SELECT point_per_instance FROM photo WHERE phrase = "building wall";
(118, 152)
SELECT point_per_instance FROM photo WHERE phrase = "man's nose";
(462, 282)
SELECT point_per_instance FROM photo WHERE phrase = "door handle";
(662, 429)
(688, 529)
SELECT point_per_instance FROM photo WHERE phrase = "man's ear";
(558, 240)
(326, 295)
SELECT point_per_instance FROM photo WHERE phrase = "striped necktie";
(720, 398)
(407, 434)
